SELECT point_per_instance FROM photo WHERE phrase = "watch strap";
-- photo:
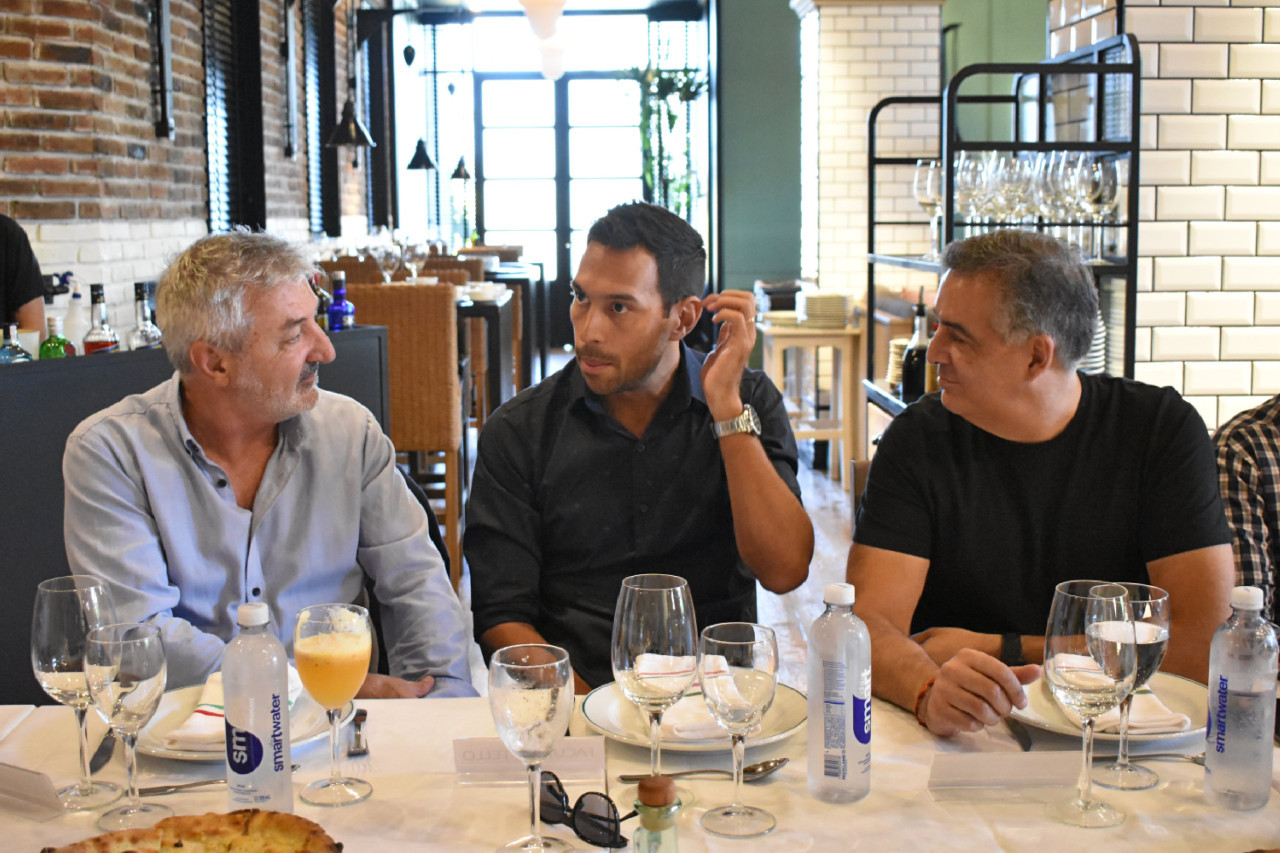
(1011, 650)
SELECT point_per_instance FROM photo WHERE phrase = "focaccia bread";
(245, 831)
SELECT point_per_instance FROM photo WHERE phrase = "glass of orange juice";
(332, 645)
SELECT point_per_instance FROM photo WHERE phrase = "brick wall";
(1209, 278)
(80, 166)
(868, 52)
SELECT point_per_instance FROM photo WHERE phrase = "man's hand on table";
(388, 687)
(973, 690)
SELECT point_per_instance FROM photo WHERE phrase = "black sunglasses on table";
(593, 817)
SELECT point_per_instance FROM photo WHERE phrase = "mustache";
(593, 354)
(312, 369)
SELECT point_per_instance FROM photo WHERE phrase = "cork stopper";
(656, 791)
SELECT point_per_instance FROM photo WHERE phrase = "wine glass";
(739, 673)
(531, 698)
(655, 648)
(124, 665)
(927, 186)
(332, 646)
(66, 610)
(387, 257)
(1090, 661)
(1099, 187)
(1150, 608)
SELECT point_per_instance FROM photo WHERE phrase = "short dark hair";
(677, 248)
(1045, 287)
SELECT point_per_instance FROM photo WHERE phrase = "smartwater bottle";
(839, 701)
(1242, 707)
(255, 685)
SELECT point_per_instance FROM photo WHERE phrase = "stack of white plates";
(1095, 361)
(897, 348)
(825, 310)
(781, 318)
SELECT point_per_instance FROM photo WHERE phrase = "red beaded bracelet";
(920, 698)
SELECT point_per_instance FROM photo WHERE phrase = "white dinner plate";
(1180, 694)
(609, 712)
(307, 723)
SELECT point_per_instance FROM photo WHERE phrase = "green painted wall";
(992, 31)
(758, 140)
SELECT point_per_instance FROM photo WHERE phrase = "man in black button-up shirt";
(611, 467)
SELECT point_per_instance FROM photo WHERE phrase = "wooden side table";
(841, 422)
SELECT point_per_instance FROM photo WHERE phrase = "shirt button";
(222, 484)
(644, 507)
(640, 447)
(257, 591)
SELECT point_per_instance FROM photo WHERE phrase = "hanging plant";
(664, 93)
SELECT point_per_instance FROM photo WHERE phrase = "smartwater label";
(244, 750)
(862, 719)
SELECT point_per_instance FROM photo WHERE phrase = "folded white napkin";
(672, 672)
(1147, 716)
(689, 719)
(205, 729)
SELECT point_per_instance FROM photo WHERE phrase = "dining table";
(420, 802)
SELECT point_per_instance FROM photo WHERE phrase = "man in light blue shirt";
(238, 480)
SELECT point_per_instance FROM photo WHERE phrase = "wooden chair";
(358, 270)
(426, 391)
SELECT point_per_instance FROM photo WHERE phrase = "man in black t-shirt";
(21, 290)
(1020, 474)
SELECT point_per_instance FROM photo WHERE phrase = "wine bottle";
(323, 301)
(56, 346)
(145, 334)
(914, 363)
(11, 352)
(101, 338)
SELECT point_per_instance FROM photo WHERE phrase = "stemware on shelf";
(66, 610)
(332, 646)
(927, 186)
(655, 648)
(124, 665)
(531, 698)
(1090, 662)
(738, 668)
(1149, 606)
(1100, 185)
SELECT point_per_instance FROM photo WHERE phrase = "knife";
(103, 753)
(1019, 732)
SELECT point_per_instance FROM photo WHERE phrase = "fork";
(358, 746)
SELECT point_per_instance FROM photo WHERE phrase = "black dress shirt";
(565, 503)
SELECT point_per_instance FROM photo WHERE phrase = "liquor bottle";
(55, 345)
(11, 352)
(1242, 690)
(656, 803)
(145, 334)
(77, 324)
(914, 364)
(839, 745)
(323, 301)
(101, 338)
(255, 701)
(342, 314)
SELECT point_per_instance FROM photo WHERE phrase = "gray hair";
(202, 296)
(1044, 287)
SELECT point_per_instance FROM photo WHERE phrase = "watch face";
(754, 419)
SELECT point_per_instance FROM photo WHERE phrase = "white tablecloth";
(418, 804)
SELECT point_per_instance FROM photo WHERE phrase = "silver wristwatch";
(748, 421)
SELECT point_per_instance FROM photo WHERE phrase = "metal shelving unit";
(1111, 73)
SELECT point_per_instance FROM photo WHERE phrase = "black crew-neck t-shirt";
(1131, 479)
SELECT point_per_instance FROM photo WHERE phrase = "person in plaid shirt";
(1248, 449)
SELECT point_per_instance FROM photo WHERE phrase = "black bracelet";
(1011, 650)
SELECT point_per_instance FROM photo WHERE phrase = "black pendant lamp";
(350, 132)
(461, 173)
(420, 159)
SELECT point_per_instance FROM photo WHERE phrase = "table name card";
(487, 761)
(34, 790)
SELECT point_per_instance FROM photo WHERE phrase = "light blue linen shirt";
(149, 513)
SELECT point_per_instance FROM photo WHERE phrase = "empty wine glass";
(387, 257)
(66, 610)
(739, 674)
(927, 186)
(971, 190)
(1098, 185)
(125, 667)
(531, 698)
(1150, 608)
(1089, 660)
(332, 646)
(655, 648)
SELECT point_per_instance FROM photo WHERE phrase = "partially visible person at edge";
(239, 479)
(1019, 474)
(21, 288)
(612, 467)
(1248, 448)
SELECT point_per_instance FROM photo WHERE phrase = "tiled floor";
(790, 615)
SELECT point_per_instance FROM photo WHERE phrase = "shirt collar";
(291, 432)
